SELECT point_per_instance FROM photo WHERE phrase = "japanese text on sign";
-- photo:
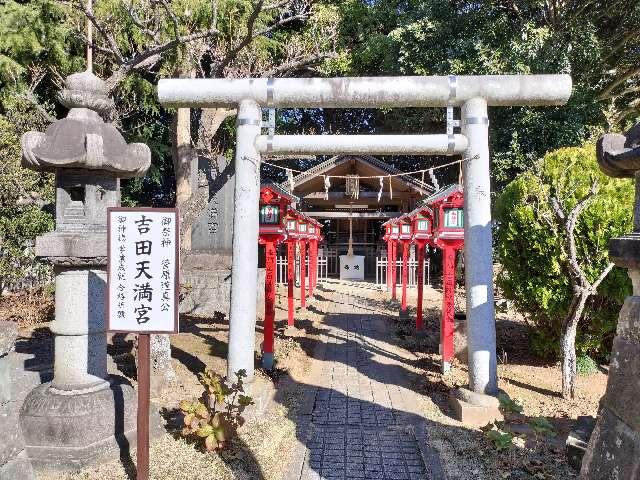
(143, 259)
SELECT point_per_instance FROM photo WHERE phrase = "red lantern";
(272, 230)
(448, 234)
(422, 226)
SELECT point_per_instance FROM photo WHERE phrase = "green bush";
(534, 274)
(22, 194)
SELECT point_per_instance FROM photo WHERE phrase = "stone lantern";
(614, 448)
(82, 413)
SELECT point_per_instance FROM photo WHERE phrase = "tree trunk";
(182, 154)
(568, 344)
(161, 369)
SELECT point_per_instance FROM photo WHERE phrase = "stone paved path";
(361, 418)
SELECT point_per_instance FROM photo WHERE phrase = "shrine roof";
(371, 166)
(280, 191)
(444, 192)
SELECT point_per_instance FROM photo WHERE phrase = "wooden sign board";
(143, 263)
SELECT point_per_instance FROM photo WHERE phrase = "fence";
(381, 272)
(282, 265)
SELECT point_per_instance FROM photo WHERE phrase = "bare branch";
(631, 72)
(31, 98)
(298, 64)
(252, 34)
(152, 56)
(172, 15)
(138, 22)
(603, 275)
(578, 277)
(100, 28)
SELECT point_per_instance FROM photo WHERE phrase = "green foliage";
(22, 192)
(542, 426)
(585, 365)
(501, 440)
(507, 405)
(530, 247)
(596, 43)
(214, 419)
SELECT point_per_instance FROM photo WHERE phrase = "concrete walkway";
(360, 418)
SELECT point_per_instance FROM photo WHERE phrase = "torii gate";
(474, 94)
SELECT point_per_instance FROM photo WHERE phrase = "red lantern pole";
(312, 266)
(394, 270)
(303, 273)
(448, 306)
(291, 278)
(405, 274)
(388, 265)
(420, 247)
(269, 305)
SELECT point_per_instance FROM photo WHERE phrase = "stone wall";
(208, 277)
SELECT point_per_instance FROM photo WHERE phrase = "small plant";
(217, 415)
(501, 440)
(585, 365)
(542, 426)
(507, 405)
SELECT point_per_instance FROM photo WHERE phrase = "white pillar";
(478, 251)
(80, 330)
(244, 269)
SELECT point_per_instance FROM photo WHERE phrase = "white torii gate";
(472, 93)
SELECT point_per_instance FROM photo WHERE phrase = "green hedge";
(534, 276)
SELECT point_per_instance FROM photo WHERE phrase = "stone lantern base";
(71, 429)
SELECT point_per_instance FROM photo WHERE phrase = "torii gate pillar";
(478, 253)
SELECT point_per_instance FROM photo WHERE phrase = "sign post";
(142, 292)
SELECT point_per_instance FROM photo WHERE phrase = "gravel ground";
(266, 442)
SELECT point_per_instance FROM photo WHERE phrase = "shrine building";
(327, 194)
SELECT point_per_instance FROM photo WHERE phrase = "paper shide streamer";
(381, 187)
(434, 180)
(292, 183)
(327, 184)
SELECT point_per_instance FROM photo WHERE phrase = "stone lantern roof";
(619, 154)
(83, 140)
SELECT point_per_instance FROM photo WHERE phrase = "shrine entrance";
(466, 97)
(352, 196)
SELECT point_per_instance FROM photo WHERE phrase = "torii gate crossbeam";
(472, 93)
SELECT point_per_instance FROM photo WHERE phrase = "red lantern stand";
(448, 235)
(314, 237)
(303, 239)
(393, 237)
(292, 238)
(387, 239)
(422, 226)
(405, 237)
(272, 231)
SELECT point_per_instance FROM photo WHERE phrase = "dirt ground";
(266, 441)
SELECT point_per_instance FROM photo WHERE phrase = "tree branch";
(152, 56)
(606, 93)
(298, 64)
(108, 38)
(30, 98)
(603, 275)
(251, 34)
